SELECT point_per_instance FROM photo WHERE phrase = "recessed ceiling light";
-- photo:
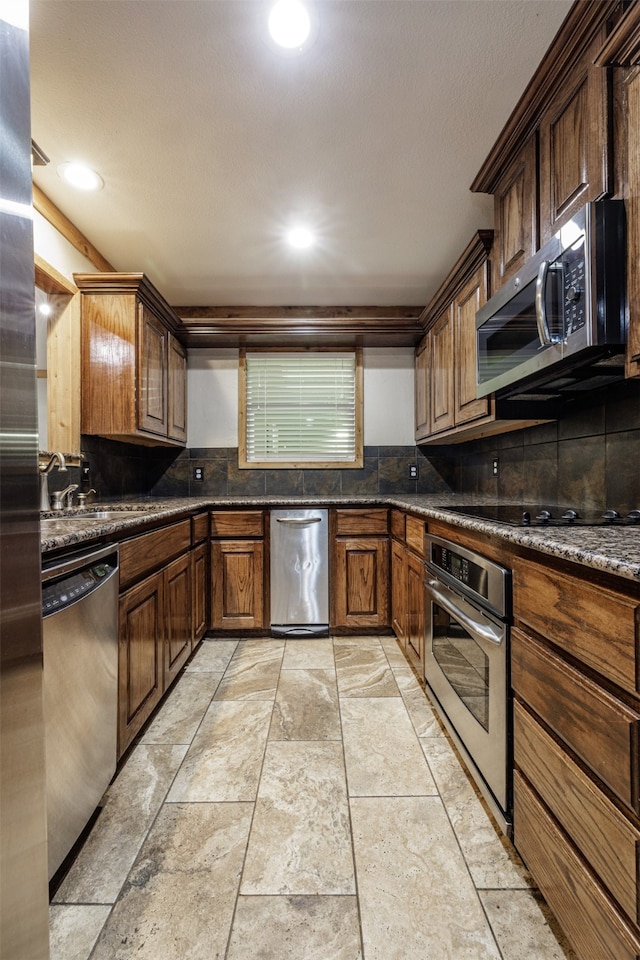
(289, 23)
(45, 309)
(300, 238)
(80, 176)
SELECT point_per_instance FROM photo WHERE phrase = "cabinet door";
(422, 388)
(152, 374)
(574, 146)
(468, 406)
(141, 639)
(516, 216)
(200, 575)
(178, 598)
(441, 355)
(415, 612)
(237, 584)
(361, 582)
(177, 380)
(399, 591)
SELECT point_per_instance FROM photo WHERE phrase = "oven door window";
(463, 662)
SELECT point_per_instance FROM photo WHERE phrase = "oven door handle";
(485, 631)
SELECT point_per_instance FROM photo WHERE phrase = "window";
(300, 408)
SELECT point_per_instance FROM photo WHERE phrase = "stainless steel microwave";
(565, 310)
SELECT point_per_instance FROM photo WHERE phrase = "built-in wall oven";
(468, 609)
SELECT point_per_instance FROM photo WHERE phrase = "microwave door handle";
(482, 630)
(541, 305)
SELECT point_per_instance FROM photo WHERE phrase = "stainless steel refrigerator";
(23, 847)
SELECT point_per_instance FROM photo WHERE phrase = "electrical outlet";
(413, 471)
(85, 474)
(198, 473)
(496, 467)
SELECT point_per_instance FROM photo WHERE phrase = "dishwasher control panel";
(58, 594)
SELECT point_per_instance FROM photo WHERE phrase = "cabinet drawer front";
(199, 527)
(415, 535)
(587, 915)
(602, 730)
(610, 843)
(237, 523)
(361, 522)
(140, 555)
(590, 622)
(398, 524)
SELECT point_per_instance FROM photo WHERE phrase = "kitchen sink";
(107, 514)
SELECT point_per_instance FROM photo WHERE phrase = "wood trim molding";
(577, 31)
(67, 229)
(473, 256)
(137, 284)
(51, 280)
(622, 48)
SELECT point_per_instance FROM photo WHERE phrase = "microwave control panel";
(573, 275)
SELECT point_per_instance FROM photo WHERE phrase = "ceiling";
(211, 144)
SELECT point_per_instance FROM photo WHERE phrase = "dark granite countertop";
(615, 551)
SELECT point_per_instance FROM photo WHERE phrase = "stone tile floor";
(297, 800)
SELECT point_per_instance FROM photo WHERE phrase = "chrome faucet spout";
(56, 459)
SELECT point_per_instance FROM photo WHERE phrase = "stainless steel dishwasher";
(80, 648)
(300, 572)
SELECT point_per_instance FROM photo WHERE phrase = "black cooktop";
(535, 516)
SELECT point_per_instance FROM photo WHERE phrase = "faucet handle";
(82, 498)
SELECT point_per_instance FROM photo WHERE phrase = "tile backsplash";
(589, 458)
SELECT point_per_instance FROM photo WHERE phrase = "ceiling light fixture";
(300, 238)
(80, 176)
(289, 23)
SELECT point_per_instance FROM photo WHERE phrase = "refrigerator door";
(300, 572)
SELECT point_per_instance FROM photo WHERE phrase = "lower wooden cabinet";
(415, 612)
(237, 585)
(399, 592)
(140, 669)
(200, 578)
(360, 583)
(178, 609)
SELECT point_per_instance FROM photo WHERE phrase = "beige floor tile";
(181, 714)
(178, 901)
(253, 671)
(295, 928)
(521, 928)
(306, 706)
(422, 715)
(308, 654)
(131, 804)
(212, 656)
(74, 929)
(300, 841)
(491, 858)
(417, 901)
(223, 762)
(382, 753)
(363, 669)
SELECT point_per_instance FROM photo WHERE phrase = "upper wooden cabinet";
(516, 215)
(133, 366)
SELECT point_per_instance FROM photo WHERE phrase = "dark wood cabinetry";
(407, 573)
(178, 616)
(576, 682)
(516, 215)
(133, 366)
(238, 593)
(360, 570)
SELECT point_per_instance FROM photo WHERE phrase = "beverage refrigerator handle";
(541, 305)
(298, 521)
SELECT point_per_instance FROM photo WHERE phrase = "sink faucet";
(63, 498)
(56, 459)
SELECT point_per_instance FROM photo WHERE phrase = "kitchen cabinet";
(515, 200)
(133, 365)
(360, 569)
(238, 573)
(576, 684)
(399, 592)
(200, 576)
(155, 611)
(407, 573)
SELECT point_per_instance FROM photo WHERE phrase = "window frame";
(245, 464)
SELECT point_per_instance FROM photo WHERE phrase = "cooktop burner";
(528, 516)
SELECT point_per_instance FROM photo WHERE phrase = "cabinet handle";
(297, 521)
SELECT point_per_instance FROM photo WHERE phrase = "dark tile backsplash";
(589, 458)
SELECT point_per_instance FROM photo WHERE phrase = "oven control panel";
(453, 563)
(479, 578)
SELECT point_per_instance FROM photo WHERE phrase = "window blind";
(301, 407)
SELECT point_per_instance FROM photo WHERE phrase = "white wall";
(56, 250)
(388, 397)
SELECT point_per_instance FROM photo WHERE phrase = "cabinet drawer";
(361, 522)
(237, 523)
(610, 843)
(587, 915)
(602, 730)
(415, 535)
(590, 622)
(398, 524)
(140, 555)
(199, 528)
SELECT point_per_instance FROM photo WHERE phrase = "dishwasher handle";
(298, 521)
(64, 565)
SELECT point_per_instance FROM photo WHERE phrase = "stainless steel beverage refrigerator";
(23, 842)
